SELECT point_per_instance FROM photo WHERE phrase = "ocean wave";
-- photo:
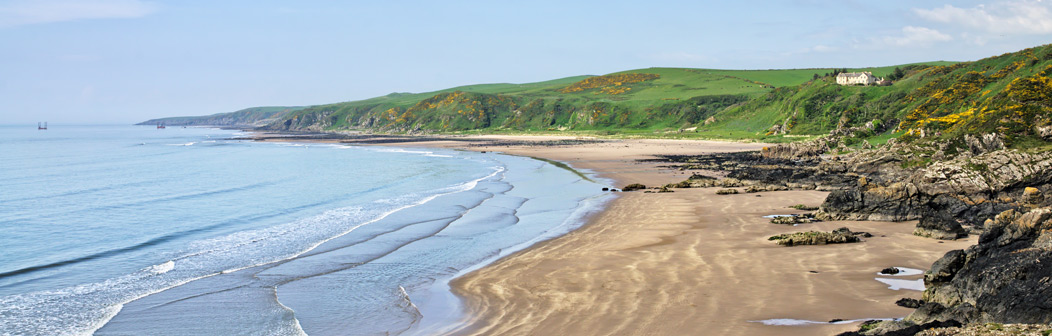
(83, 309)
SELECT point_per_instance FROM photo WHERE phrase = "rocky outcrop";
(838, 236)
(726, 191)
(950, 194)
(967, 188)
(762, 173)
(633, 187)
(1006, 278)
(984, 143)
(794, 219)
(1033, 196)
(940, 225)
(909, 303)
(991, 329)
(799, 149)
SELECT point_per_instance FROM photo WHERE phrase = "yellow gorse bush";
(609, 84)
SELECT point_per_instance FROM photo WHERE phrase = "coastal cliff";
(247, 118)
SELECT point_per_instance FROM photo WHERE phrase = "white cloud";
(914, 36)
(824, 48)
(1023, 17)
(23, 12)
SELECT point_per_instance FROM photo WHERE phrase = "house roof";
(854, 74)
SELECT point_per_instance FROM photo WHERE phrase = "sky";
(125, 61)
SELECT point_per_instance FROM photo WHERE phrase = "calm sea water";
(117, 230)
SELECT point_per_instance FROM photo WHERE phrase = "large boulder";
(1006, 278)
(939, 225)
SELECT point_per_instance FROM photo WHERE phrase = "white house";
(853, 78)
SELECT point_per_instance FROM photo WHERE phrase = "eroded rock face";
(967, 188)
(1006, 278)
(984, 143)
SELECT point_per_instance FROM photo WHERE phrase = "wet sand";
(689, 262)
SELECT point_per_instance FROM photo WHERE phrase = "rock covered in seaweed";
(838, 236)
(794, 219)
(633, 186)
(726, 191)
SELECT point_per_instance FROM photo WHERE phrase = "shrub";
(633, 186)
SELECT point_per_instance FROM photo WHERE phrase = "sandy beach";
(685, 263)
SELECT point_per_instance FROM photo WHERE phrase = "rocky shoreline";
(987, 190)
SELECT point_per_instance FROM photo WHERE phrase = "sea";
(136, 230)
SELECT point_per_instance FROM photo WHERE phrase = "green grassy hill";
(634, 101)
(1008, 94)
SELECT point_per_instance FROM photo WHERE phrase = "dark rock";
(1006, 278)
(943, 270)
(816, 272)
(898, 328)
(835, 320)
(681, 184)
(633, 186)
(606, 189)
(890, 271)
(940, 226)
(992, 329)
(726, 191)
(909, 303)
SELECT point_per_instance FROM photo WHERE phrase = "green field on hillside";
(1004, 94)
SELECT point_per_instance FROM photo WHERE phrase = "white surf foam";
(162, 268)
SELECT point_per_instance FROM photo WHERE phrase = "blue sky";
(124, 61)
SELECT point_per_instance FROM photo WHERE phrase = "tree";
(896, 74)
